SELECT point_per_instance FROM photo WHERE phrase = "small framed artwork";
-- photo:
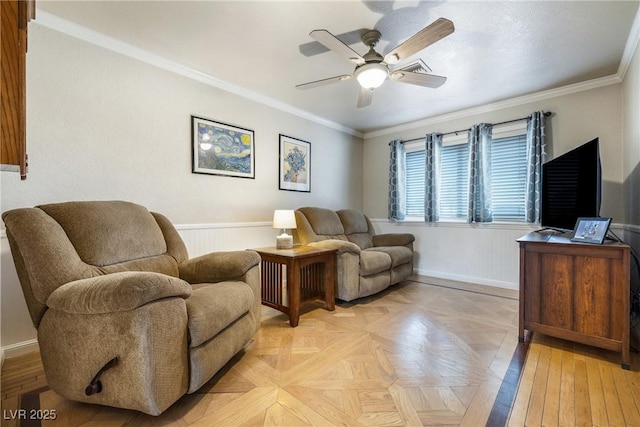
(295, 164)
(591, 230)
(222, 149)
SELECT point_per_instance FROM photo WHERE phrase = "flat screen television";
(571, 187)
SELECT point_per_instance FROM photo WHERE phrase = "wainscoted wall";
(445, 250)
(204, 238)
(482, 254)
(18, 333)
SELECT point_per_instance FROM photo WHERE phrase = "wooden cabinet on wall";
(576, 291)
(15, 15)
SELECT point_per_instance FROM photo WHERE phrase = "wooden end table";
(310, 274)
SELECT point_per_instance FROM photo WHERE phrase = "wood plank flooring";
(567, 384)
(417, 354)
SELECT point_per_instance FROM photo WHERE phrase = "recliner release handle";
(95, 386)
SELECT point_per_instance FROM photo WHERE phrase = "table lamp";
(284, 219)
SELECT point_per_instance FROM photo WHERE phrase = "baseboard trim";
(466, 286)
(467, 279)
(20, 348)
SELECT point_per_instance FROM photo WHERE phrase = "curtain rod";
(546, 114)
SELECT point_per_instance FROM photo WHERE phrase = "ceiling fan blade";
(423, 38)
(420, 79)
(333, 43)
(315, 48)
(364, 98)
(324, 82)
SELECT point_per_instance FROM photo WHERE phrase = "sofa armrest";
(218, 266)
(341, 245)
(393, 239)
(116, 292)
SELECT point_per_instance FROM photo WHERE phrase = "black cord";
(615, 237)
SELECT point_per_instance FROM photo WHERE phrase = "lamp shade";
(284, 219)
(371, 76)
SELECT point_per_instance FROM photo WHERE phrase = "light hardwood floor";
(567, 384)
(417, 354)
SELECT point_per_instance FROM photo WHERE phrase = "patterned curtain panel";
(433, 156)
(536, 141)
(397, 199)
(480, 173)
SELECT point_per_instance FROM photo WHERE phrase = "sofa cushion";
(372, 262)
(399, 254)
(324, 222)
(356, 227)
(214, 306)
(108, 232)
(363, 240)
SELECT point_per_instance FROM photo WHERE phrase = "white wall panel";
(482, 254)
(202, 239)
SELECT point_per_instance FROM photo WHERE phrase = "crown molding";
(90, 36)
(508, 103)
(72, 29)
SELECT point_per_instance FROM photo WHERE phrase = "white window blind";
(454, 182)
(415, 183)
(508, 177)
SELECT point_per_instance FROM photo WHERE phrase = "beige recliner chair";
(367, 262)
(124, 318)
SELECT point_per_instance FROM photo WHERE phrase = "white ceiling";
(499, 50)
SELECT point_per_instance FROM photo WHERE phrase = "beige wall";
(631, 139)
(631, 162)
(101, 125)
(578, 118)
(488, 253)
(105, 126)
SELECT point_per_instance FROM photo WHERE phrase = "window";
(508, 177)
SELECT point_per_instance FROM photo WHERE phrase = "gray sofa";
(367, 262)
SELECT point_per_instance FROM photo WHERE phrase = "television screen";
(571, 186)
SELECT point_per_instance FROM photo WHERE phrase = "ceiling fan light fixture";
(371, 76)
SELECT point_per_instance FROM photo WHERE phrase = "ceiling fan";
(372, 69)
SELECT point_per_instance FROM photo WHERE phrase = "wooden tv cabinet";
(575, 291)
